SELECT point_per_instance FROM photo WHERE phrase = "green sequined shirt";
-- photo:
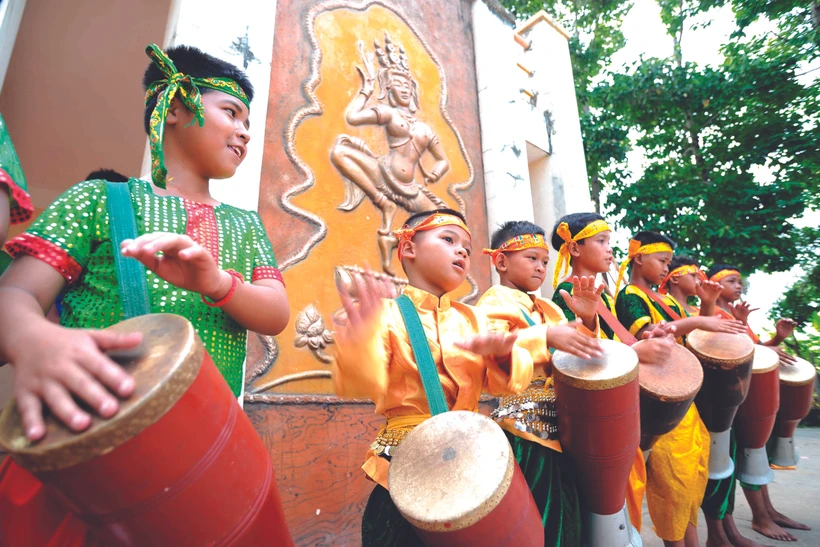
(72, 235)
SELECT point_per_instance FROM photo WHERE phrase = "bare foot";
(734, 536)
(770, 529)
(785, 522)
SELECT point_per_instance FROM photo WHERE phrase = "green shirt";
(636, 309)
(72, 235)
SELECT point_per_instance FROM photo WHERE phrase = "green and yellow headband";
(187, 87)
(635, 249)
(591, 229)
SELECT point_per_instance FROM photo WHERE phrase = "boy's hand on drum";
(716, 324)
(58, 363)
(785, 327)
(709, 291)
(660, 330)
(656, 350)
(180, 261)
(491, 344)
(569, 339)
(584, 298)
(785, 358)
(370, 293)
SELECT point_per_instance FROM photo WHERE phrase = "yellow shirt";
(383, 369)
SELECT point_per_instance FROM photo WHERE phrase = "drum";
(454, 477)
(180, 463)
(755, 418)
(796, 391)
(597, 401)
(667, 391)
(727, 372)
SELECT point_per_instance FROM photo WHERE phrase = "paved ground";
(794, 493)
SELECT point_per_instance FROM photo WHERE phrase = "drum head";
(451, 471)
(719, 349)
(163, 367)
(616, 367)
(799, 374)
(766, 360)
(677, 379)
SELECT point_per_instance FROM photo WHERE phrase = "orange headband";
(678, 272)
(723, 274)
(562, 266)
(433, 221)
(635, 249)
(518, 243)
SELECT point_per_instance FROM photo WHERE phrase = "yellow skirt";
(677, 472)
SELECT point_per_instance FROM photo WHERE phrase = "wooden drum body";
(755, 418)
(727, 373)
(667, 391)
(180, 463)
(597, 402)
(454, 477)
(796, 391)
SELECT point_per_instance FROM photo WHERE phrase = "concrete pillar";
(11, 13)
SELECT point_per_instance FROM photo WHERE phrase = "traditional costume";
(678, 468)
(72, 235)
(383, 368)
(13, 181)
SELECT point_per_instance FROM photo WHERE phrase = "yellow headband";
(518, 243)
(433, 221)
(562, 266)
(722, 274)
(686, 269)
(635, 249)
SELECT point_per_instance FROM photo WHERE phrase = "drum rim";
(110, 433)
(673, 398)
(478, 513)
(717, 362)
(802, 363)
(768, 368)
(593, 384)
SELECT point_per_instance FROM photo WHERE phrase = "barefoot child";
(207, 261)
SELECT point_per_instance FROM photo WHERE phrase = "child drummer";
(677, 470)
(520, 256)
(685, 280)
(208, 261)
(375, 358)
(718, 504)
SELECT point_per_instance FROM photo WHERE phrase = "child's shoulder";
(495, 294)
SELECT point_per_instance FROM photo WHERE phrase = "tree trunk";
(595, 190)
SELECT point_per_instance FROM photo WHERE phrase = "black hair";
(576, 223)
(106, 174)
(198, 64)
(647, 238)
(682, 260)
(417, 218)
(719, 268)
(513, 228)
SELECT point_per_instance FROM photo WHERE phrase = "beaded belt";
(393, 433)
(533, 410)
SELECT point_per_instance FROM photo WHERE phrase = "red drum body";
(796, 392)
(755, 418)
(180, 464)
(727, 361)
(454, 477)
(667, 391)
(597, 402)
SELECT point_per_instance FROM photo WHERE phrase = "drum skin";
(727, 361)
(667, 391)
(199, 475)
(756, 415)
(455, 479)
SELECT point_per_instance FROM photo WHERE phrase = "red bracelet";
(236, 279)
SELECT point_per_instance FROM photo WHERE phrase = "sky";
(646, 35)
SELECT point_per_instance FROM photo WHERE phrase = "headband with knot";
(433, 221)
(679, 272)
(562, 266)
(635, 249)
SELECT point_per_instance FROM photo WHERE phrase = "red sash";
(669, 311)
(619, 330)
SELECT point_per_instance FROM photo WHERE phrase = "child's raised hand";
(567, 338)
(709, 291)
(60, 362)
(370, 292)
(716, 324)
(785, 327)
(584, 298)
(180, 261)
(490, 344)
(741, 310)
